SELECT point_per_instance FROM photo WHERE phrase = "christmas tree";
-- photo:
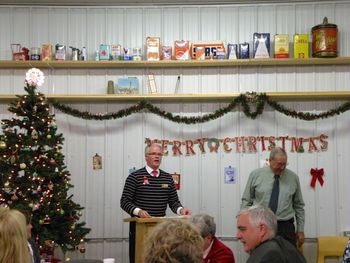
(33, 176)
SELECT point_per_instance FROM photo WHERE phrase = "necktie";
(274, 195)
(154, 173)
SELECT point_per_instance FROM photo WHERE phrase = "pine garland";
(244, 100)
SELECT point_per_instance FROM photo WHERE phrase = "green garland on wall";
(260, 100)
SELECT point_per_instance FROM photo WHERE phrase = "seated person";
(214, 250)
(346, 256)
(13, 237)
(256, 229)
(173, 241)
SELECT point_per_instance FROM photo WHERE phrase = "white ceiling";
(137, 2)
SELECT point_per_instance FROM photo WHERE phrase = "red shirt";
(219, 253)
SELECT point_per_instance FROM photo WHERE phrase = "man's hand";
(185, 212)
(300, 238)
(143, 214)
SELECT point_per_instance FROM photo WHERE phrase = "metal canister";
(324, 40)
(35, 53)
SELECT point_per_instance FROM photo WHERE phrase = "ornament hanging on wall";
(316, 176)
(230, 175)
(97, 162)
(176, 178)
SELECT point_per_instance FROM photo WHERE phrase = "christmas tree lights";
(33, 175)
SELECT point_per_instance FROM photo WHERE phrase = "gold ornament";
(12, 159)
(35, 135)
(2, 145)
(49, 136)
(22, 166)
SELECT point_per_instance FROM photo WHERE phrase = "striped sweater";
(148, 193)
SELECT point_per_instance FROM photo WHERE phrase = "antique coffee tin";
(324, 40)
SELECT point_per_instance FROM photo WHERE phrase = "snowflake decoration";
(35, 77)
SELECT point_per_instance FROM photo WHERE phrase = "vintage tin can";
(301, 45)
(104, 52)
(35, 53)
(261, 45)
(244, 50)
(282, 46)
(153, 48)
(167, 53)
(136, 54)
(60, 53)
(324, 40)
(232, 51)
(46, 52)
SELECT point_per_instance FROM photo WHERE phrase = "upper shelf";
(173, 63)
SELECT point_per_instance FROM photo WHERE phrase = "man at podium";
(148, 191)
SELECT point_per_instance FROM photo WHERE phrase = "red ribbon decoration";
(316, 175)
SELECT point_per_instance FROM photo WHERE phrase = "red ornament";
(82, 250)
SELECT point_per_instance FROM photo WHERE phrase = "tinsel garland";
(244, 100)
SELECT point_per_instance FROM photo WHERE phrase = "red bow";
(316, 175)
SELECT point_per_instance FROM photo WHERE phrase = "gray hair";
(205, 223)
(262, 215)
(277, 151)
(152, 144)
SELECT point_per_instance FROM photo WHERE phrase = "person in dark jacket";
(148, 192)
(256, 229)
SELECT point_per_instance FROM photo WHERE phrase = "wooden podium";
(143, 227)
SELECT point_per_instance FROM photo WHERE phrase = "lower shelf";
(209, 97)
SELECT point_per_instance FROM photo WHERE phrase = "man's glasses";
(155, 154)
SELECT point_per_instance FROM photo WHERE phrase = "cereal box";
(282, 46)
(301, 46)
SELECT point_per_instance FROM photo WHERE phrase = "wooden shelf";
(178, 98)
(9, 64)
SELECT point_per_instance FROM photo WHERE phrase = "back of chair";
(331, 246)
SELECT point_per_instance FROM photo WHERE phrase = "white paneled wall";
(121, 142)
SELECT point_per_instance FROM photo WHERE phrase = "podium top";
(154, 219)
